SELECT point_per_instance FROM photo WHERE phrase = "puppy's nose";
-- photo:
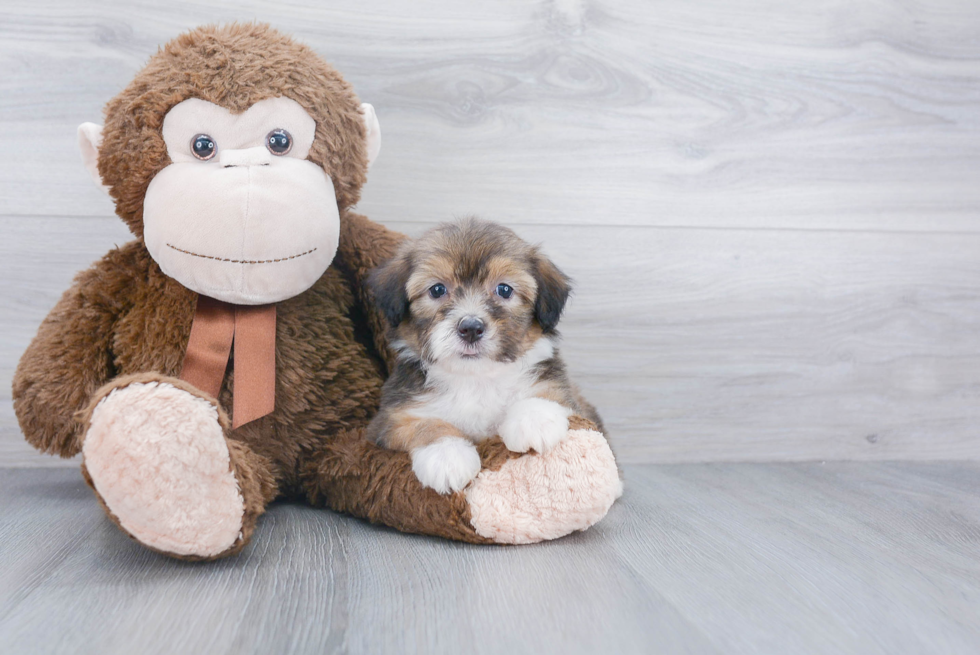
(470, 329)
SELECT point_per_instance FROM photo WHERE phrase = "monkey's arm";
(69, 358)
(363, 246)
(515, 499)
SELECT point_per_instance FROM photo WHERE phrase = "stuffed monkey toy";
(231, 354)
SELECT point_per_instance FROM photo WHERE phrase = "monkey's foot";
(545, 496)
(156, 455)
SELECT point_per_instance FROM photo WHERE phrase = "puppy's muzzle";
(470, 329)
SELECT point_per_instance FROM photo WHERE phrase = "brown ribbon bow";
(252, 329)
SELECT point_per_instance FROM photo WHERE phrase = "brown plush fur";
(233, 66)
(124, 317)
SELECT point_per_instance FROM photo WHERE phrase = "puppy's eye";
(504, 291)
(437, 290)
(203, 147)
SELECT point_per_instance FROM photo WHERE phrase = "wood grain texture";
(771, 211)
(840, 114)
(696, 345)
(861, 558)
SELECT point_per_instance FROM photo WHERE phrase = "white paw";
(534, 423)
(447, 465)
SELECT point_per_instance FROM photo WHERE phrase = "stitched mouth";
(242, 261)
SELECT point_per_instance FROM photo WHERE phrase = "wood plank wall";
(770, 209)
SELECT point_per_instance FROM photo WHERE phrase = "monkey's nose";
(258, 156)
(470, 329)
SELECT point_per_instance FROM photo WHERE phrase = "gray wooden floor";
(699, 558)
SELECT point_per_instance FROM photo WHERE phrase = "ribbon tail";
(209, 345)
(255, 363)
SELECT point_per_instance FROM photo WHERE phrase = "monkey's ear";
(373, 130)
(89, 142)
(553, 290)
(387, 284)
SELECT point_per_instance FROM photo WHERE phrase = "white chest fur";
(475, 396)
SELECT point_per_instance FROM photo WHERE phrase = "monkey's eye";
(438, 290)
(203, 147)
(279, 142)
(504, 290)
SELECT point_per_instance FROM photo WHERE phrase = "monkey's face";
(232, 154)
(240, 214)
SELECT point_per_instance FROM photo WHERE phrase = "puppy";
(473, 311)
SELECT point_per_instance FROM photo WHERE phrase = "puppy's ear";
(387, 285)
(553, 289)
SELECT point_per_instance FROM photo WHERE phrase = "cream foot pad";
(158, 458)
(539, 497)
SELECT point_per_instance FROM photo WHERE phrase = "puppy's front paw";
(534, 423)
(447, 465)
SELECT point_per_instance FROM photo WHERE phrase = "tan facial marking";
(436, 268)
(509, 271)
